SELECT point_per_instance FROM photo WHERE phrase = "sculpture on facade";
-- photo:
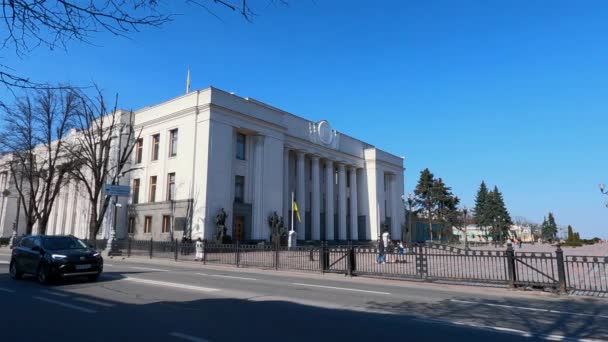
(220, 223)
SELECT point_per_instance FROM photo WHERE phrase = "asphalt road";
(165, 301)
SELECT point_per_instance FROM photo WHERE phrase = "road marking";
(187, 337)
(54, 293)
(175, 285)
(341, 288)
(4, 262)
(70, 306)
(528, 308)
(111, 265)
(226, 276)
(7, 290)
(92, 301)
(148, 269)
(511, 331)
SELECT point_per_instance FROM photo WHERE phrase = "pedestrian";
(380, 258)
(521, 243)
(401, 249)
(199, 250)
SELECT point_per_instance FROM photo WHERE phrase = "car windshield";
(57, 243)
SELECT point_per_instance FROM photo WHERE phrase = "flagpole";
(292, 211)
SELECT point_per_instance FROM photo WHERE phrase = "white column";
(354, 215)
(258, 188)
(301, 197)
(315, 201)
(286, 192)
(329, 200)
(342, 201)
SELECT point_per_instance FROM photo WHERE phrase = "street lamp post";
(112, 237)
(410, 204)
(464, 222)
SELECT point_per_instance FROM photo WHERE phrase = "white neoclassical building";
(210, 150)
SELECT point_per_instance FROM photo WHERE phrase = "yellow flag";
(295, 209)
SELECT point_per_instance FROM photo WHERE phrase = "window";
(166, 223)
(152, 196)
(155, 146)
(148, 225)
(136, 184)
(239, 189)
(173, 142)
(240, 146)
(131, 225)
(171, 186)
(139, 150)
(27, 242)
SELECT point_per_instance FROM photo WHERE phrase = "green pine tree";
(445, 205)
(479, 212)
(549, 228)
(424, 196)
(570, 234)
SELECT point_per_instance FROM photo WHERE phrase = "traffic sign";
(117, 190)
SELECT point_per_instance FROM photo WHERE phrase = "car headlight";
(58, 256)
(96, 254)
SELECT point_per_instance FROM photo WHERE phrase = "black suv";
(49, 257)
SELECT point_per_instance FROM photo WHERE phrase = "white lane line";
(148, 269)
(4, 262)
(54, 293)
(6, 290)
(70, 306)
(528, 308)
(187, 337)
(174, 285)
(93, 301)
(111, 265)
(226, 276)
(341, 288)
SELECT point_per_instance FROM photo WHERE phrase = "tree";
(102, 151)
(549, 228)
(35, 135)
(497, 214)
(424, 196)
(28, 24)
(570, 234)
(479, 212)
(446, 205)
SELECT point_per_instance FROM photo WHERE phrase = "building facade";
(210, 150)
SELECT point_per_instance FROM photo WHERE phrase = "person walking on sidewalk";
(199, 250)
(380, 258)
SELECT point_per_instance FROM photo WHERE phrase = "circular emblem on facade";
(325, 132)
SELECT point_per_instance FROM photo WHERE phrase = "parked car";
(53, 257)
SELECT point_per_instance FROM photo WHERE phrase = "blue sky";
(510, 92)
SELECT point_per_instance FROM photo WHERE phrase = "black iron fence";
(425, 262)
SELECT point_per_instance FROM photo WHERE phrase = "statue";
(220, 223)
(275, 222)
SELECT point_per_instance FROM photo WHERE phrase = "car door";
(23, 254)
(37, 253)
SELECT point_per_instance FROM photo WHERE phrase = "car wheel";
(43, 274)
(94, 277)
(14, 270)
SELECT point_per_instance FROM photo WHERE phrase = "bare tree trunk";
(93, 226)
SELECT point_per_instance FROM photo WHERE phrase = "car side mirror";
(91, 246)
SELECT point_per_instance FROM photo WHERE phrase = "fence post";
(238, 252)
(204, 251)
(561, 270)
(175, 249)
(511, 266)
(129, 247)
(421, 261)
(151, 246)
(350, 258)
(325, 250)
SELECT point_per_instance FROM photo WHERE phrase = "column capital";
(300, 154)
(341, 167)
(329, 162)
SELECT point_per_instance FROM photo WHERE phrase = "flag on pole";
(188, 81)
(296, 211)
